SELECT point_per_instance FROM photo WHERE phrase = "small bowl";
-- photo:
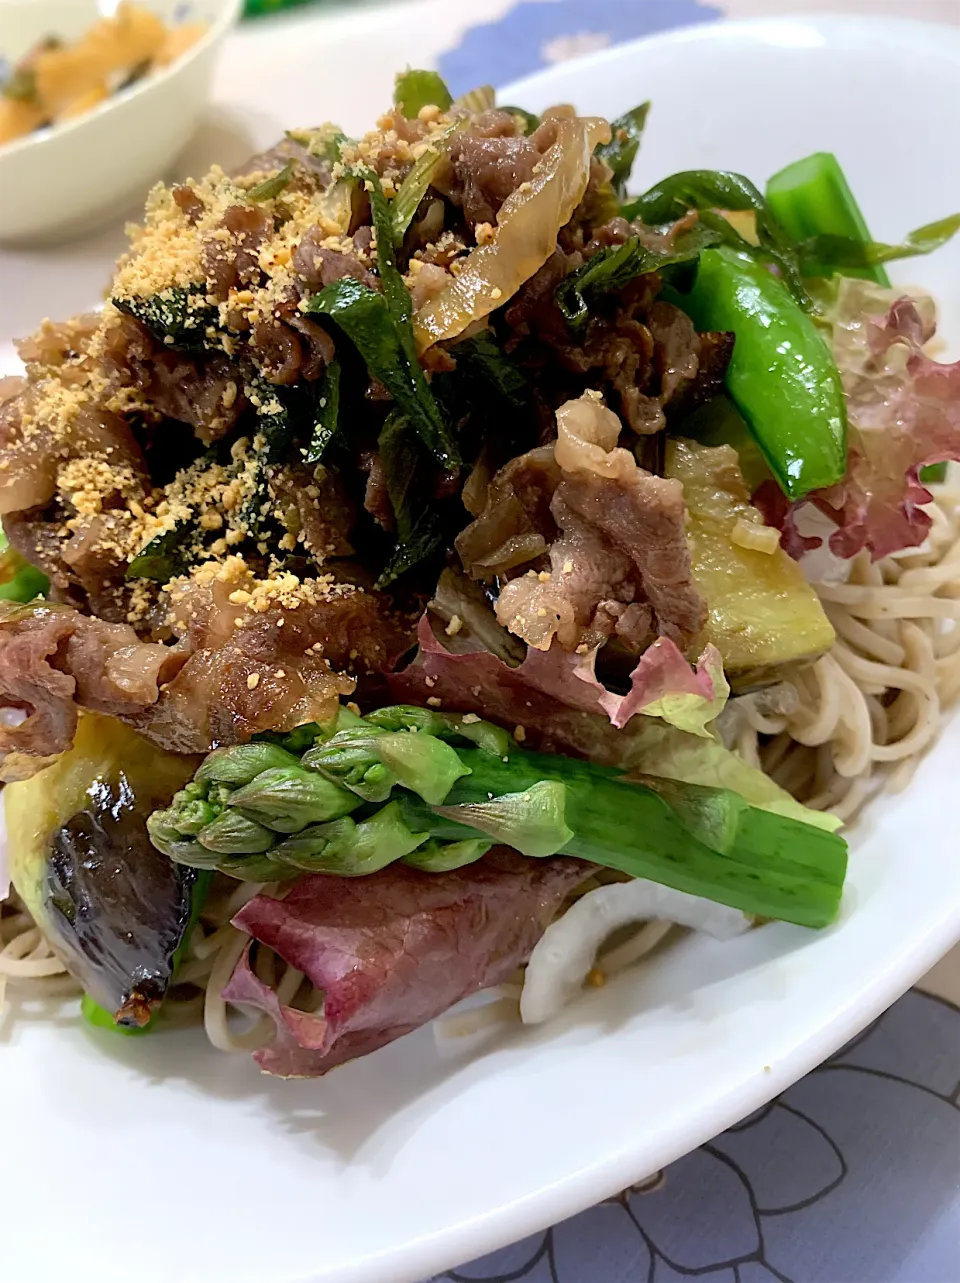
(61, 182)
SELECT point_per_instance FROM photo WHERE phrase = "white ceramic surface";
(158, 1160)
(60, 182)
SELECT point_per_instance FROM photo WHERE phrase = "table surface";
(851, 1176)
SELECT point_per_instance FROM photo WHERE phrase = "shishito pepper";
(781, 375)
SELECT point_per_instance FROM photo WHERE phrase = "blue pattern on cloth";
(851, 1176)
(534, 35)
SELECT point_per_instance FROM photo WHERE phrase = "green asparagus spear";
(706, 841)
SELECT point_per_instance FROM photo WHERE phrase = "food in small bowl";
(422, 518)
(59, 80)
(93, 111)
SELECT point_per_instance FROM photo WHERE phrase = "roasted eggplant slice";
(111, 905)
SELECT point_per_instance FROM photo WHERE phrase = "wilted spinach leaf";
(621, 151)
(610, 269)
(328, 413)
(179, 316)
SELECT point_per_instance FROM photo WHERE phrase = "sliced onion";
(566, 951)
(525, 237)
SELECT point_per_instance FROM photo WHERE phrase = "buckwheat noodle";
(856, 721)
(860, 718)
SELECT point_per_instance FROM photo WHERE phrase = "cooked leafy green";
(418, 527)
(415, 89)
(621, 151)
(328, 413)
(612, 268)
(529, 121)
(713, 190)
(482, 362)
(163, 557)
(271, 187)
(179, 316)
(365, 318)
(275, 421)
(841, 252)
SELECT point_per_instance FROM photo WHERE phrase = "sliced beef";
(317, 265)
(642, 352)
(231, 255)
(219, 684)
(204, 390)
(481, 172)
(616, 557)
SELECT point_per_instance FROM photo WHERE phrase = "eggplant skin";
(112, 906)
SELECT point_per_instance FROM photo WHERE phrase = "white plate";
(158, 1160)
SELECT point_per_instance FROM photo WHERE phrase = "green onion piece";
(326, 141)
(811, 198)
(414, 187)
(271, 187)
(415, 89)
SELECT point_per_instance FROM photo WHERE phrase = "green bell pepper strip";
(812, 197)
(781, 375)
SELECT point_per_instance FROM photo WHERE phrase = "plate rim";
(607, 1176)
(416, 1259)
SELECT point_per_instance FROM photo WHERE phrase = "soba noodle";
(854, 722)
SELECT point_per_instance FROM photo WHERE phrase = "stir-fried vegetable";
(414, 186)
(365, 318)
(525, 237)
(415, 89)
(328, 413)
(19, 581)
(781, 374)
(271, 187)
(81, 861)
(434, 788)
(178, 316)
(612, 268)
(418, 529)
(621, 151)
(812, 198)
(714, 190)
(763, 614)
